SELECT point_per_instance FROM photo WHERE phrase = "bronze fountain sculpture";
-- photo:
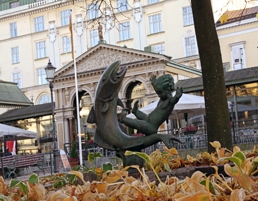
(109, 132)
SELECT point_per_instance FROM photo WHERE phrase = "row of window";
(124, 34)
(93, 12)
(41, 49)
(190, 42)
(41, 75)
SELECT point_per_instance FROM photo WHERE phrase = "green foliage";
(33, 179)
(147, 159)
(238, 158)
(107, 166)
(3, 198)
(92, 157)
(76, 167)
(211, 186)
(73, 153)
(64, 179)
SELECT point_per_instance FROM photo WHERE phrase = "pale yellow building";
(33, 32)
(238, 37)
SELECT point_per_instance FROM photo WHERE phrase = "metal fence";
(243, 132)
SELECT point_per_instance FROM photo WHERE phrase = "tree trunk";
(217, 113)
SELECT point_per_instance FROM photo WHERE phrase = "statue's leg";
(138, 113)
(141, 115)
(140, 125)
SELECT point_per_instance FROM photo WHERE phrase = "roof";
(184, 67)
(27, 112)
(12, 96)
(96, 59)
(238, 15)
(97, 56)
(242, 76)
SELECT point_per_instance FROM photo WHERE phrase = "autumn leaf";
(232, 171)
(238, 194)
(216, 144)
(198, 196)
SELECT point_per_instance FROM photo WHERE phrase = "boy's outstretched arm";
(179, 92)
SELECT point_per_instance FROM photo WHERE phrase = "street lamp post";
(50, 76)
(232, 120)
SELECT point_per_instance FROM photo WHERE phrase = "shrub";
(73, 153)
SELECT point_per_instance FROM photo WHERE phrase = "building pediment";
(102, 55)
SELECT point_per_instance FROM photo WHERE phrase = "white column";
(139, 26)
(109, 30)
(53, 45)
(80, 36)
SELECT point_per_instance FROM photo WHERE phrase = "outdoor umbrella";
(191, 104)
(14, 131)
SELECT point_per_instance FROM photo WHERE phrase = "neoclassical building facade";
(90, 65)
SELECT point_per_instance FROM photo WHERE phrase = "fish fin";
(91, 117)
(120, 103)
(105, 107)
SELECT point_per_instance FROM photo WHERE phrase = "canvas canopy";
(20, 133)
(190, 104)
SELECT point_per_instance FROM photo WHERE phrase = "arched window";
(44, 99)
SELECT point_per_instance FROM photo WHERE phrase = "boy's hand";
(179, 92)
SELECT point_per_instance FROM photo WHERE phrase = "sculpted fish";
(108, 133)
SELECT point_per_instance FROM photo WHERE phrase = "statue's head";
(163, 85)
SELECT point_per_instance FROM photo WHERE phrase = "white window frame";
(159, 48)
(41, 49)
(152, 1)
(66, 44)
(122, 5)
(124, 31)
(16, 77)
(39, 23)
(65, 14)
(41, 75)
(155, 23)
(188, 16)
(190, 46)
(15, 55)
(13, 29)
(92, 11)
(44, 99)
(238, 55)
(94, 37)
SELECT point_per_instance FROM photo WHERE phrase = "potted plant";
(74, 158)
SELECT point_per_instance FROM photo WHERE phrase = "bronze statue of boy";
(149, 124)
